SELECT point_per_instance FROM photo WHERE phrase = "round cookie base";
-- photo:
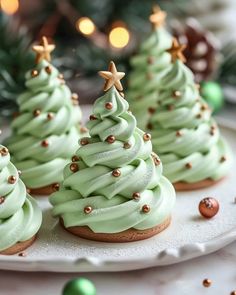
(185, 186)
(18, 247)
(130, 235)
(45, 190)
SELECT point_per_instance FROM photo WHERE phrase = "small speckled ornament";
(208, 207)
(212, 93)
(80, 286)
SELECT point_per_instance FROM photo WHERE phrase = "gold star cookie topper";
(44, 50)
(158, 16)
(176, 51)
(112, 77)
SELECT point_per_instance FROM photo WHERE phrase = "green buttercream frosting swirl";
(57, 122)
(148, 67)
(184, 132)
(94, 185)
(20, 216)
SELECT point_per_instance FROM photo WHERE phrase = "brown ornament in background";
(202, 50)
(208, 207)
(207, 283)
(233, 293)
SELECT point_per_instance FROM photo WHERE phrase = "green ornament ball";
(212, 92)
(80, 286)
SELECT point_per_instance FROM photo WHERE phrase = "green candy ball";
(213, 94)
(79, 286)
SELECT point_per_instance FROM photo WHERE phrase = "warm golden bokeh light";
(85, 26)
(119, 37)
(9, 6)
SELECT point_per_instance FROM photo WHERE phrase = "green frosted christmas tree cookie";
(114, 190)
(20, 216)
(46, 131)
(184, 133)
(148, 67)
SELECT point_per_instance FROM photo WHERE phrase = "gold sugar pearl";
(207, 283)
(157, 161)
(188, 166)
(151, 110)
(147, 136)
(204, 107)
(75, 158)
(179, 133)
(84, 141)
(111, 139)
(74, 96)
(136, 196)
(88, 209)
(45, 143)
(55, 186)
(60, 76)
(146, 209)
(212, 132)
(150, 60)
(11, 179)
(34, 73)
(50, 116)
(28, 190)
(176, 94)
(127, 145)
(2, 200)
(4, 151)
(122, 94)
(223, 159)
(48, 69)
(92, 117)
(22, 254)
(83, 129)
(108, 105)
(74, 167)
(116, 173)
(19, 172)
(36, 113)
(170, 107)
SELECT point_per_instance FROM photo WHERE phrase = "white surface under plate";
(188, 236)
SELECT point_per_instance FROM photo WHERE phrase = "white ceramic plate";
(188, 236)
